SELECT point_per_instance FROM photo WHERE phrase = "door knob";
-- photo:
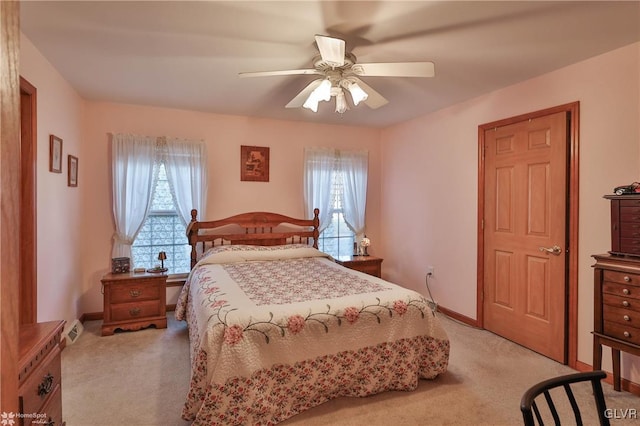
(556, 250)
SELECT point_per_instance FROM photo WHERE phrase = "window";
(336, 183)
(162, 230)
(337, 239)
(156, 183)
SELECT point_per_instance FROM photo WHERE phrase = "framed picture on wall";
(72, 179)
(55, 154)
(254, 163)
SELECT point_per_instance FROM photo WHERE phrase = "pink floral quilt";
(277, 330)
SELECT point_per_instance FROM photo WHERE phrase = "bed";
(277, 327)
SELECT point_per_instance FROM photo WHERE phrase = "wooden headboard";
(254, 228)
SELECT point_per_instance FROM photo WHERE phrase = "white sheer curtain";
(354, 166)
(133, 158)
(186, 166)
(319, 165)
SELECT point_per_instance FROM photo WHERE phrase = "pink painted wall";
(438, 196)
(60, 112)
(227, 195)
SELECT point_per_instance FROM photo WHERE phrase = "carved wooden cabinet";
(625, 224)
(40, 374)
(616, 309)
(134, 301)
(368, 264)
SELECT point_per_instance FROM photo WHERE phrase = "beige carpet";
(141, 378)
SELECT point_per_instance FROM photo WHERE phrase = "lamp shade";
(341, 102)
(357, 94)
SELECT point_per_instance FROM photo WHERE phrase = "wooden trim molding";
(28, 205)
(458, 317)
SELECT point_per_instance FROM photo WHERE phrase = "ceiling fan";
(339, 71)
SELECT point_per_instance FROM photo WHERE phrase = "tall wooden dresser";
(617, 286)
(40, 374)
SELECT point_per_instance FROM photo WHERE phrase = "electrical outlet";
(430, 271)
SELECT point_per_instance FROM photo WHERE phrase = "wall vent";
(74, 332)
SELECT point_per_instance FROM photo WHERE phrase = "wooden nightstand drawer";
(130, 292)
(136, 310)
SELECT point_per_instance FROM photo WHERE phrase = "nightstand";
(134, 301)
(368, 264)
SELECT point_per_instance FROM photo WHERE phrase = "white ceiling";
(187, 55)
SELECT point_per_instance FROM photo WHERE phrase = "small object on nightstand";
(120, 265)
(364, 244)
(162, 256)
(139, 270)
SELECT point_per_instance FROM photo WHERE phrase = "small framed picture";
(72, 180)
(254, 163)
(55, 154)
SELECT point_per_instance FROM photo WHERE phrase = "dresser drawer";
(622, 290)
(49, 414)
(131, 292)
(630, 230)
(621, 302)
(625, 333)
(621, 315)
(621, 277)
(41, 384)
(136, 310)
(630, 213)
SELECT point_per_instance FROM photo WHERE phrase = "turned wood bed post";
(190, 232)
(316, 226)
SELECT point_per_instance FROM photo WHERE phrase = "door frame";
(571, 282)
(28, 203)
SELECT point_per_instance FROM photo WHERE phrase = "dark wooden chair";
(529, 407)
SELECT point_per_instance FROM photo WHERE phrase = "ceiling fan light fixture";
(357, 94)
(341, 102)
(320, 93)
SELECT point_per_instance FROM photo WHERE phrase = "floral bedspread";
(277, 330)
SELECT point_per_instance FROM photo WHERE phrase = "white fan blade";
(301, 97)
(374, 99)
(331, 50)
(396, 69)
(282, 72)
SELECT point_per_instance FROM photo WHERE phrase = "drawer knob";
(625, 303)
(136, 311)
(626, 334)
(625, 291)
(46, 386)
(137, 293)
(627, 279)
(626, 318)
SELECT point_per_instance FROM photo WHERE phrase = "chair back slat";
(529, 408)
